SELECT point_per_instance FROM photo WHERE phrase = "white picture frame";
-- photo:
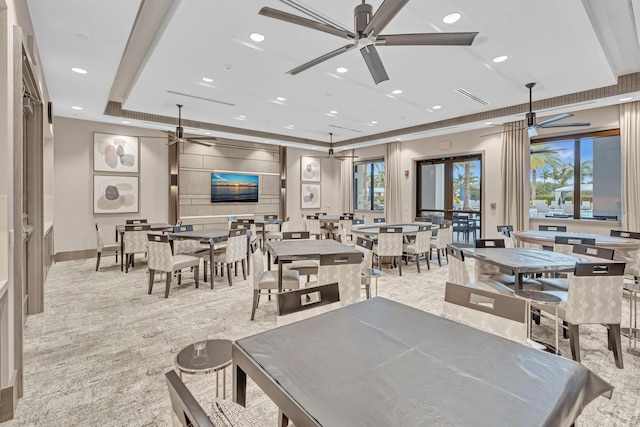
(115, 194)
(116, 153)
(310, 170)
(309, 196)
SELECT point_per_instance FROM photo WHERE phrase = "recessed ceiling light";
(628, 98)
(76, 107)
(500, 58)
(451, 18)
(488, 123)
(342, 69)
(256, 37)
(398, 139)
(333, 112)
(373, 122)
(437, 107)
(281, 98)
(126, 122)
(79, 70)
(207, 133)
(267, 141)
(207, 79)
(82, 37)
(397, 92)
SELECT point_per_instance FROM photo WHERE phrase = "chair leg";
(168, 285)
(426, 257)
(229, 272)
(98, 260)
(244, 268)
(399, 265)
(126, 264)
(235, 268)
(254, 303)
(439, 260)
(417, 257)
(196, 275)
(367, 288)
(206, 268)
(574, 341)
(152, 274)
(616, 344)
(179, 273)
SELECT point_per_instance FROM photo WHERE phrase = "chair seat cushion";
(184, 261)
(112, 247)
(274, 235)
(269, 280)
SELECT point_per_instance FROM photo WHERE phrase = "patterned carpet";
(98, 354)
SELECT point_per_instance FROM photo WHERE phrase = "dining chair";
(230, 220)
(191, 247)
(379, 220)
(250, 225)
(304, 303)
(459, 273)
(631, 257)
(346, 221)
(277, 234)
(488, 272)
(421, 246)
(357, 221)
(135, 221)
(303, 267)
(268, 280)
(390, 241)
(235, 251)
(313, 226)
(506, 231)
(367, 272)
(560, 228)
(422, 219)
(497, 314)
(135, 242)
(343, 269)
(594, 297)
(161, 259)
(490, 243)
(564, 244)
(443, 238)
(590, 252)
(101, 248)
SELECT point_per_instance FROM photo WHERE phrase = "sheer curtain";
(392, 183)
(629, 141)
(515, 176)
(346, 181)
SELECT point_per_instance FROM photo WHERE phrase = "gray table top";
(524, 260)
(155, 226)
(215, 234)
(216, 355)
(548, 237)
(291, 250)
(421, 369)
(372, 230)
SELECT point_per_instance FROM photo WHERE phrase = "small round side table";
(539, 297)
(206, 357)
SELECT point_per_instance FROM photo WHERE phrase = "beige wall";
(73, 183)
(197, 162)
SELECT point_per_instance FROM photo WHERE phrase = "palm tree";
(544, 156)
(586, 171)
(467, 180)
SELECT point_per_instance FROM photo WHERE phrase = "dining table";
(521, 261)
(381, 363)
(120, 230)
(547, 238)
(208, 235)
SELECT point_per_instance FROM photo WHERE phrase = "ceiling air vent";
(471, 96)
(201, 97)
(340, 127)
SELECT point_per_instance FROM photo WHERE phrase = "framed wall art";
(310, 196)
(310, 169)
(115, 194)
(115, 153)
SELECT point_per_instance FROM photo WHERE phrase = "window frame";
(576, 138)
(368, 162)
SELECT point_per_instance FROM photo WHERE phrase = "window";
(368, 185)
(577, 176)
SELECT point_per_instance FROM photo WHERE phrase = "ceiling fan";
(178, 135)
(366, 35)
(331, 154)
(532, 126)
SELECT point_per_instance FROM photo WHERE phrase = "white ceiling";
(565, 46)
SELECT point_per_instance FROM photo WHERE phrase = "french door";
(450, 189)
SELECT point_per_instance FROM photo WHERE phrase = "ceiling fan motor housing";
(361, 17)
(179, 132)
(531, 119)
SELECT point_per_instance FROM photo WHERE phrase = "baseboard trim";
(74, 255)
(9, 399)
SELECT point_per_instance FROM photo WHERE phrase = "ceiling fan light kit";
(366, 35)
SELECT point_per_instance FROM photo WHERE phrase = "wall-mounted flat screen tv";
(230, 188)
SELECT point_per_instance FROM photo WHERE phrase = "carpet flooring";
(98, 353)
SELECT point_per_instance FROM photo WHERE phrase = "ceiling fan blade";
(371, 57)
(345, 157)
(554, 119)
(200, 138)
(385, 13)
(304, 22)
(427, 39)
(152, 137)
(563, 125)
(205, 143)
(320, 59)
(532, 132)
